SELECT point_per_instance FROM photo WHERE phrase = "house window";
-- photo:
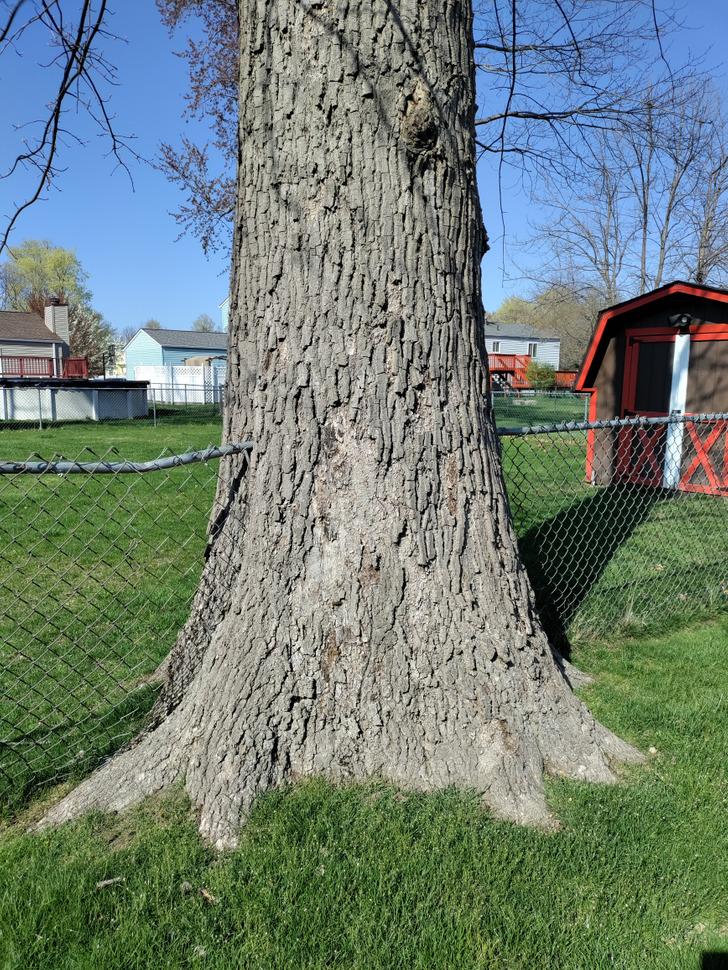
(532, 348)
(495, 347)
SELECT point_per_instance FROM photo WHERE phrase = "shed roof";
(18, 325)
(516, 331)
(609, 318)
(188, 339)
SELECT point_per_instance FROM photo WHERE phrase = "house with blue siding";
(521, 338)
(174, 348)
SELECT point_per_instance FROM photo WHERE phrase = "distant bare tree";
(588, 235)
(649, 204)
(707, 259)
(661, 160)
(125, 334)
(204, 324)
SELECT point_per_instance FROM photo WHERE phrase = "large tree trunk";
(363, 610)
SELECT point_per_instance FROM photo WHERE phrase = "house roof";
(516, 331)
(17, 325)
(188, 339)
(606, 321)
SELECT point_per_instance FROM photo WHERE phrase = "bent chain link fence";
(621, 525)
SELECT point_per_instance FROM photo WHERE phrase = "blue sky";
(124, 237)
(127, 240)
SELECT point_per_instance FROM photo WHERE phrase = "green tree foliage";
(204, 324)
(152, 325)
(36, 272)
(541, 377)
(515, 309)
(564, 310)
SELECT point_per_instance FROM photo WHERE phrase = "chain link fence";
(99, 560)
(185, 402)
(515, 409)
(42, 403)
(622, 525)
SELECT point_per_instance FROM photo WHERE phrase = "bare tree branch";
(653, 202)
(81, 65)
(11, 18)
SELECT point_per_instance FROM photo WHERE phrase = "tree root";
(504, 761)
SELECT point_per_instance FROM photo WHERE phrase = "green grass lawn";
(526, 410)
(363, 877)
(178, 429)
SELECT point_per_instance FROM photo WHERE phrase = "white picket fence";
(183, 385)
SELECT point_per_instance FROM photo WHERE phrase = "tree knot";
(419, 128)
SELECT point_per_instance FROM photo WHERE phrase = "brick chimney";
(56, 319)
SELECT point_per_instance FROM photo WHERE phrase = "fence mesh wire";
(99, 560)
(621, 525)
(515, 409)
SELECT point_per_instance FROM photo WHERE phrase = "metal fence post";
(40, 410)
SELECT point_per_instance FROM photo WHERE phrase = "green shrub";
(541, 377)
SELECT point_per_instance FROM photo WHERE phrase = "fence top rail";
(102, 467)
(611, 423)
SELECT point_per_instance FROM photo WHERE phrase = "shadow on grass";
(566, 555)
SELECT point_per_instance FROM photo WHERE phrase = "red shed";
(663, 353)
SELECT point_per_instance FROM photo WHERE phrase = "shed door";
(655, 385)
(648, 374)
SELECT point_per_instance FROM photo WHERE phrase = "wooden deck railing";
(511, 367)
(565, 380)
(75, 367)
(12, 365)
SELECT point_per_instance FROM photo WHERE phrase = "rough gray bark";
(363, 610)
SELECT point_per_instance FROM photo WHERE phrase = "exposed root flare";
(505, 765)
(575, 678)
(124, 781)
